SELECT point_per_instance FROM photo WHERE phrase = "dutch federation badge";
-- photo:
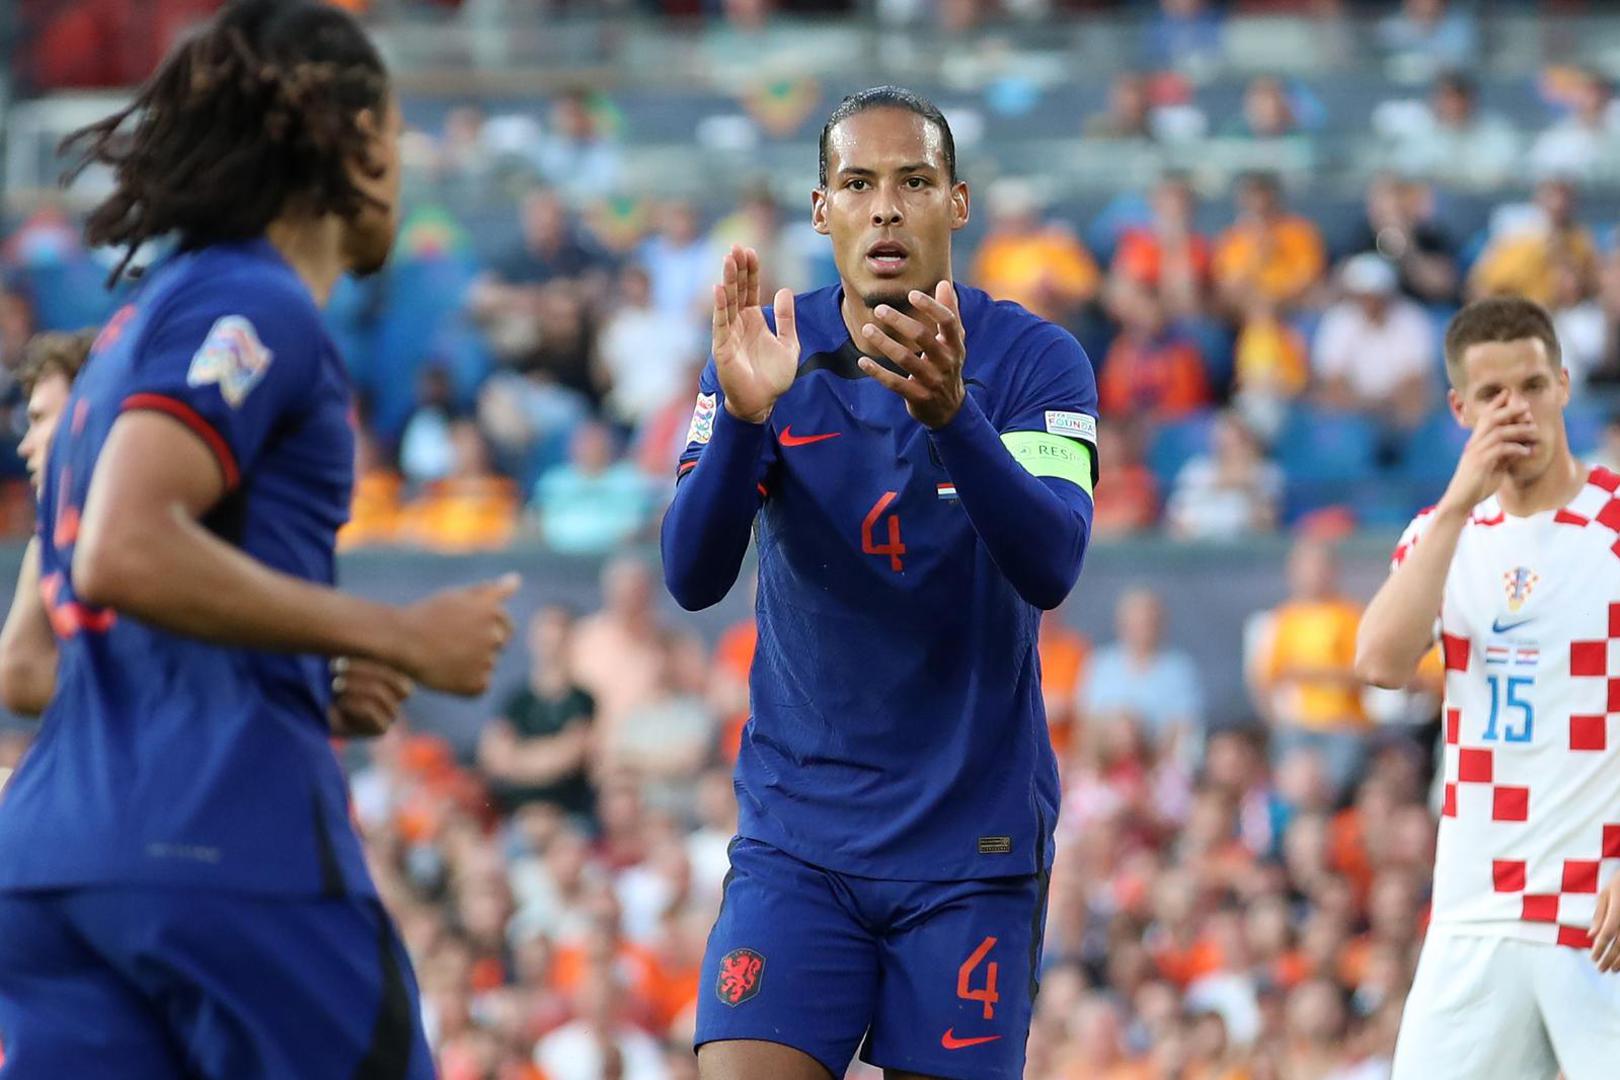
(232, 357)
(702, 428)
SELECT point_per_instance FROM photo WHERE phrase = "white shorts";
(1493, 1008)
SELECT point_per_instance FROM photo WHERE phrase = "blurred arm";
(1397, 629)
(27, 644)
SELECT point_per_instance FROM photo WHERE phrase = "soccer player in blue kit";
(916, 461)
(181, 891)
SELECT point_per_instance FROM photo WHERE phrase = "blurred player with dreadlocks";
(181, 892)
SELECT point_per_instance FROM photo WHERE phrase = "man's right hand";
(755, 366)
(1496, 443)
(453, 638)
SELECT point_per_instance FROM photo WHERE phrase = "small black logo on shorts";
(995, 845)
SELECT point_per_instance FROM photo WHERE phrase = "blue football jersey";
(168, 759)
(897, 727)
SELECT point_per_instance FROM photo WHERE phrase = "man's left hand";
(366, 697)
(929, 346)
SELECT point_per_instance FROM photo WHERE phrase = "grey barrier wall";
(1209, 591)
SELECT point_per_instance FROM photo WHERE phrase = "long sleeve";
(706, 530)
(1035, 522)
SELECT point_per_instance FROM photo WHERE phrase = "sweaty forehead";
(884, 138)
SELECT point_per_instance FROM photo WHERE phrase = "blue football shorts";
(932, 977)
(153, 983)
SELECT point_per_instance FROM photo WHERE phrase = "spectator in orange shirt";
(1306, 681)
(1152, 369)
(1528, 258)
(1168, 256)
(1039, 264)
(728, 685)
(374, 509)
(472, 509)
(1064, 652)
(1129, 502)
(1268, 253)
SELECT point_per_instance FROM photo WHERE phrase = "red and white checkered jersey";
(1530, 628)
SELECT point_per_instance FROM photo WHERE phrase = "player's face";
(889, 206)
(371, 232)
(1524, 372)
(44, 409)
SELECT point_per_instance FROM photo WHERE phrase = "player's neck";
(313, 247)
(857, 313)
(1552, 489)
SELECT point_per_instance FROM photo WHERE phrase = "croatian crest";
(740, 972)
(232, 357)
(1519, 583)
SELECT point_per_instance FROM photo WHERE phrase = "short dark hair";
(1498, 318)
(258, 108)
(53, 353)
(890, 97)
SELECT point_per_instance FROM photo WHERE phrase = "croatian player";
(1520, 561)
(181, 893)
(918, 461)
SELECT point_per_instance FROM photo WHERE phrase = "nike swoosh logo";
(787, 438)
(1498, 628)
(950, 1042)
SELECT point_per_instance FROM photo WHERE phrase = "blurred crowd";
(1229, 902)
(1252, 373)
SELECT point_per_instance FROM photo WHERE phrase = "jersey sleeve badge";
(231, 357)
(702, 428)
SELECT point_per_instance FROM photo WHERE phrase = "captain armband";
(1044, 454)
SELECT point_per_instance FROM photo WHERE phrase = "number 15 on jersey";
(1512, 713)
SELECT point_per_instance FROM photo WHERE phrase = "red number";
(986, 993)
(894, 548)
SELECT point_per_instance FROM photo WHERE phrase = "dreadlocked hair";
(257, 110)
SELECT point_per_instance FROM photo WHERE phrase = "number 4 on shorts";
(964, 976)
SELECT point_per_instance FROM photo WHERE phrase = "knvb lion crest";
(740, 972)
(1519, 583)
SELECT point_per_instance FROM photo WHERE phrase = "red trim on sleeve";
(192, 419)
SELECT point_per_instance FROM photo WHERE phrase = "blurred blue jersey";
(165, 759)
(897, 726)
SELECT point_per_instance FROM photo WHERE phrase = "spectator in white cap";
(1375, 351)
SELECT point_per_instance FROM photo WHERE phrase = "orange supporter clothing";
(1529, 264)
(1033, 269)
(1128, 502)
(1185, 966)
(636, 967)
(374, 511)
(1318, 634)
(1161, 377)
(1271, 357)
(463, 514)
(1281, 258)
(1063, 653)
(734, 656)
(1139, 257)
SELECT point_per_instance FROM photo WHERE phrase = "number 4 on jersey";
(894, 548)
(964, 976)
